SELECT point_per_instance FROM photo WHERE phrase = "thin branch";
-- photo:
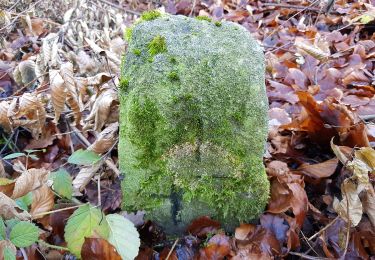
(323, 229)
(119, 7)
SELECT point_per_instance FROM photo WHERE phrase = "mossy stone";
(193, 122)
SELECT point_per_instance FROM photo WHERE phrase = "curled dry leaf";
(29, 181)
(102, 108)
(9, 209)
(106, 139)
(58, 92)
(43, 200)
(99, 248)
(202, 226)
(84, 176)
(24, 74)
(312, 50)
(2, 170)
(73, 104)
(4, 119)
(218, 247)
(319, 170)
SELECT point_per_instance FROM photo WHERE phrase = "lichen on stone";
(193, 122)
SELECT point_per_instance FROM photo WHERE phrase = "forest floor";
(59, 72)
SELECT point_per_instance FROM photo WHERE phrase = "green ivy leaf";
(123, 236)
(13, 155)
(84, 157)
(9, 254)
(25, 201)
(84, 222)
(62, 183)
(24, 234)
(2, 229)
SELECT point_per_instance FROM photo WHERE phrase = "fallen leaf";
(9, 209)
(28, 181)
(202, 226)
(218, 247)
(58, 92)
(43, 201)
(98, 249)
(6, 245)
(319, 170)
(106, 139)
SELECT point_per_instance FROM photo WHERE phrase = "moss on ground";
(193, 122)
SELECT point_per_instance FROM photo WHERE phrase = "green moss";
(150, 15)
(128, 33)
(173, 76)
(173, 60)
(157, 45)
(137, 52)
(218, 23)
(204, 18)
(124, 84)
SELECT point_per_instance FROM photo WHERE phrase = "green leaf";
(13, 155)
(24, 234)
(25, 201)
(62, 183)
(8, 254)
(2, 229)
(123, 236)
(83, 157)
(85, 222)
(10, 223)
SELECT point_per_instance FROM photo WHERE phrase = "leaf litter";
(58, 94)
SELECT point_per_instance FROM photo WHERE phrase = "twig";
(297, 7)
(40, 241)
(307, 241)
(348, 228)
(170, 251)
(54, 211)
(193, 7)
(323, 229)
(303, 256)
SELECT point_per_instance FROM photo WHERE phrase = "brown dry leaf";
(58, 92)
(367, 155)
(73, 104)
(85, 174)
(43, 200)
(6, 244)
(218, 247)
(6, 186)
(9, 209)
(24, 74)
(350, 204)
(111, 56)
(98, 248)
(342, 153)
(312, 50)
(368, 203)
(28, 181)
(106, 139)
(102, 108)
(33, 110)
(319, 170)
(4, 119)
(202, 226)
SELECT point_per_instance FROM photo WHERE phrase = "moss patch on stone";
(150, 15)
(157, 45)
(193, 122)
(204, 18)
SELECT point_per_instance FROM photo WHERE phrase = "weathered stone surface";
(193, 122)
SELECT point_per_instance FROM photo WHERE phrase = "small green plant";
(150, 15)
(124, 84)
(218, 23)
(84, 157)
(173, 76)
(203, 18)
(157, 45)
(17, 234)
(28, 154)
(137, 52)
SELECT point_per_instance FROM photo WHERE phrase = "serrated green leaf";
(2, 229)
(84, 157)
(13, 155)
(62, 183)
(24, 234)
(25, 201)
(8, 254)
(123, 236)
(84, 222)
(10, 223)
